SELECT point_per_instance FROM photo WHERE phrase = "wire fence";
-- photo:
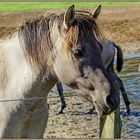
(34, 98)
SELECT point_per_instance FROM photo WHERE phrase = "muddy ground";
(120, 24)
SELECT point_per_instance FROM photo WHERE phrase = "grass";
(40, 6)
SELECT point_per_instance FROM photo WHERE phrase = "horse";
(32, 61)
(108, 55)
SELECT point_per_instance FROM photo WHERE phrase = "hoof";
(90, 111)
(126, 113)
(127, 110)
(60, 112)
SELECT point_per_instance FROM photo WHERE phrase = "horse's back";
(108, 53)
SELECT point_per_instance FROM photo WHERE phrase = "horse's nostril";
(109, 101)
(91, 87)
(85, 76)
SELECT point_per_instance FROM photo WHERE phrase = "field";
(119, 22)
(39, 6)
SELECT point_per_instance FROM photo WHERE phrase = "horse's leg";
(112, 73)
(121, 86)
(124, 95)
(38, 121)
(60, 92)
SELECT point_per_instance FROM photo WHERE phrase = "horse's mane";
(34, 34)
(84, 25)
(35, 39)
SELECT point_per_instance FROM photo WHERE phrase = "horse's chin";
(101, 111)
(88, 93)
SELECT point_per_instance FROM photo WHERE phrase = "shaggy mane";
(35, 39)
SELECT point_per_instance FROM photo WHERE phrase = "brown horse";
(58, 46)
(108, 54)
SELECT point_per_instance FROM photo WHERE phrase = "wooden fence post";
(110, 126)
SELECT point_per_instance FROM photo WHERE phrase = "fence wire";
(34, 98)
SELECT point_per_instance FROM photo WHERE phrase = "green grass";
(40, 6)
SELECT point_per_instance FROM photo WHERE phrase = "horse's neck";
(18, 81)
(19, 78)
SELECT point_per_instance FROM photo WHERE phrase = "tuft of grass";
(41, 6)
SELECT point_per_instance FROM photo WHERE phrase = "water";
(131, 79)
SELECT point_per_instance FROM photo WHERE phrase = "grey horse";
(32, 61)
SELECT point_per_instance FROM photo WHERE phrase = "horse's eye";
(78, 53)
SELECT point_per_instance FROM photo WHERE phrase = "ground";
(119, 24)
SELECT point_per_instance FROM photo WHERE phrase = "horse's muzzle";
(106, 108)
(113, 102)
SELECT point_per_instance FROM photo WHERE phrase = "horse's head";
(66, 46)
(78, 61)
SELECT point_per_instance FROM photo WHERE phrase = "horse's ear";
(96, 12)
(69, 16)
